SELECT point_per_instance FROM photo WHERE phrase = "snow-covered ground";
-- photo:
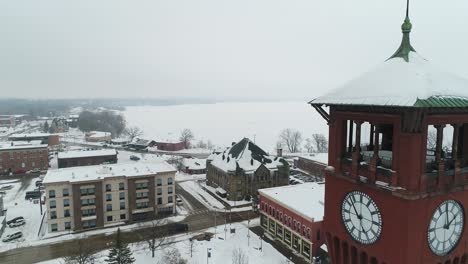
(195, 187)
(221, 249)
(16, 206)
(223, 123)
(181, 176)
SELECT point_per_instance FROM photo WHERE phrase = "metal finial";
(405, 46)
(407, 8)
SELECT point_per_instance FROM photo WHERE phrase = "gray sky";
(214, 48)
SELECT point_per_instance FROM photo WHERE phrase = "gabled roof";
(245, 155)
(404, 80)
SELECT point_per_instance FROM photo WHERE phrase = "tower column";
(375, 157)
(357, 149)
(456, 162)
(350, 136)
(439, 161)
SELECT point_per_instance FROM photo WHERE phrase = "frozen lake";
(223, 123)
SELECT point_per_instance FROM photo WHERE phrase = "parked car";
(32, 195)
(20, 171)
(180, 227)
(133, 157)
(14, 220)
(35, 171)
(17, 223)
(13, 236)
(179, 201)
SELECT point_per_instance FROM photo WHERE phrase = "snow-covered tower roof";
(404, 80)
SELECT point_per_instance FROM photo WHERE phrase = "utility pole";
(248, 229)
(215, 222)
(225, 229)
(208, 254)
(40, 198)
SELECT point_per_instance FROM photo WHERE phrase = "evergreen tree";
(46, 127)
(120, 252)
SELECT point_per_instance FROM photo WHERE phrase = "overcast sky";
(214, 48)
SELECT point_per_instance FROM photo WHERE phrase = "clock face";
(445, 227)
(361, 217)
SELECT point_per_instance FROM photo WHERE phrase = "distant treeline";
(56, 107)
(106, 121)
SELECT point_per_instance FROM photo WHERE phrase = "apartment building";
(95, 196)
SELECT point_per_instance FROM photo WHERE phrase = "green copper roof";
(405, 46)
(442, 101)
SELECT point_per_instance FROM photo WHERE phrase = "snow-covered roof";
(305, 199)
(86, 153)
(97, 172)
(98, 134)
(32, 135)
(319, 157)
(194, 164)
(22, 145)
(398, 83)
(247, 156)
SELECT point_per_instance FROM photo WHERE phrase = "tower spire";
(405, 46)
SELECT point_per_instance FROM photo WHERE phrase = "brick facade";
(24, 159)
(86, 161)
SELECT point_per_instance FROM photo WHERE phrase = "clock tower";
(397, 181)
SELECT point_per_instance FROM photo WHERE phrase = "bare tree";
(155, 237)
(201, 144)
(172, 256)
(133, 132)
(209, 145)
(239, 257)
(321, 143)
(82, 253)
(431, 139)
(309, 145)
(291, 138)
(186, 136)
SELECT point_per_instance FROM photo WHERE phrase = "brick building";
(95, 196)
(86, 158)
(293, 215)
(313, 164)
(45, 138)
(170, 145)
(19, 157)
(7, 121)
(244, 168)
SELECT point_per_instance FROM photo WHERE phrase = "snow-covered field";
(221, 249)
(223, 123)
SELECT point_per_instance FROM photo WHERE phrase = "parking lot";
(16, 205)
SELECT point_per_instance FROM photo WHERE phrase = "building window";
(88, 224)
(122, 217)
(109, 218)
(318, 234)
(108, 197)
(65, 192)
(53, 215)
(87, 191)
(142, 195)
(66, 213)
(142, 205)
(66, 202)
(158, 182)
(308, 233)
(142, 185)
(121, 186)
(53, 227)
(52, 194)
(52, 204)
(169, 190)
(122, 205)
(85, 202)
(67, 225)
(170, 199)
(88, 212)
(108, 207)
(169, 181)
(108, 188)
(159, 200)
(305, 249)
(122, 196)
(159, 191)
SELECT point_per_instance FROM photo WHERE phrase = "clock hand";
(451, 221)
(354, 207)
(446, 214)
